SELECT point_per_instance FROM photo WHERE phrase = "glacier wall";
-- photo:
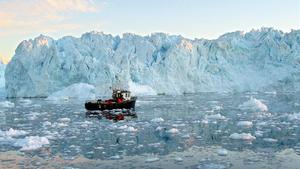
(264, 59)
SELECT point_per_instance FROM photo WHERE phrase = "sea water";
(204, 130)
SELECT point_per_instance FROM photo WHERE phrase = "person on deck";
(119, 100)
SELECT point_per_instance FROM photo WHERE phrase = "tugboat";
(121, 99)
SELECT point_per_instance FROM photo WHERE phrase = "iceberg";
(31, 143)
(259, 60)
(254, 105)
(242, 136)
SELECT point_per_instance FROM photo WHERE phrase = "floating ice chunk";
(258, 133)
(211, 166)
(242, 136)
(85, 124)
(64, 120)
(205, 121)
(62, 125)
(6, 140)
(36, 105)
(33, 115)
(99, 148)
(76, 90)
(13, 133)
(130, 129)
(271, 92)
(25, 102)
(47, 123)
(217, 107)
(270, 140)
(159, 128)
(158, 120)
(138, 89)
(245, 124)
(173, 131)
(294, 116)
(215, 117)
(155, 145)
(178, 159)
(186, 136)
(261, 123)
(7, 104)
(116, 157)
(254, 104)
(31, 143)
(222, 152)
(150, 160)
(123, 127)
(178, 125)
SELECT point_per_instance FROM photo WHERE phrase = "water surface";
(189, 131)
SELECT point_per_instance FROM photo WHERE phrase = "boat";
(121, 99)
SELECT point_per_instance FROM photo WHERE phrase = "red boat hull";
(110, 105)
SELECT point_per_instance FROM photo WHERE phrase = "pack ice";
(264, 59)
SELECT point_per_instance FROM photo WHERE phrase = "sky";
(26, 19)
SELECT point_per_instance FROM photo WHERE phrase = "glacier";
(76, 91)
(2, 79)
(259, 60)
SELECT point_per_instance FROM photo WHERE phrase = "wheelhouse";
(124, 94)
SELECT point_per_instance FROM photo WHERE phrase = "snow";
(242, 136)
(254, 105)
(31, 143)
(157, 63)
(77, 90)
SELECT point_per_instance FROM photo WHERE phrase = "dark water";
(190, 131)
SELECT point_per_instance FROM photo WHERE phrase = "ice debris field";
(221, 129)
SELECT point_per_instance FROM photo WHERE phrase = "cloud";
(19, 15)
(75, 5)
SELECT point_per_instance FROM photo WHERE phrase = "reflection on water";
(205, 130)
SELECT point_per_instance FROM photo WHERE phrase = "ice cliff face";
(2, 79)
(263, 59)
